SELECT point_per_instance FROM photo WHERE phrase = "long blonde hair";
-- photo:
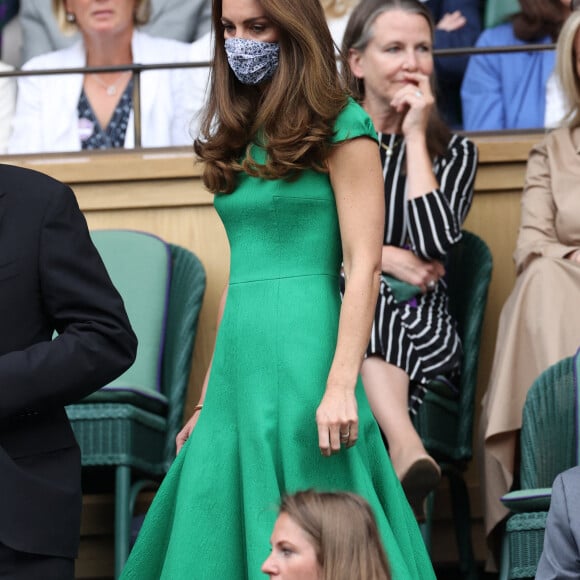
(292, 116)
(566, 71)
(343, 531)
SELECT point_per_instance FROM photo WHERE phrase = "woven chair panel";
(186, 296)
(119, 435)
(469, 278)
(547, 438)
(525, 534)
(437, 422)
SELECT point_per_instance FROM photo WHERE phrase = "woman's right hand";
(406, 266)
(186, 431)
(414, 101)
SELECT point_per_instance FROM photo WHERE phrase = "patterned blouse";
(92, 135)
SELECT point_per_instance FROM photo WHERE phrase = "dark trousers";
(16, 565)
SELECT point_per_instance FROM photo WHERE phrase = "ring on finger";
(431, 284)
(418, 94)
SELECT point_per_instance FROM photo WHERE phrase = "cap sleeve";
(353, 122)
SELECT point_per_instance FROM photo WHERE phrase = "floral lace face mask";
(252, 61)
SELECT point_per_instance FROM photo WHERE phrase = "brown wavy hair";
(343, 531)
(539, 18)
(358, 34)
(292, 116)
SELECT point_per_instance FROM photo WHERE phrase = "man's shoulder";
(31, 186)
(571, 476)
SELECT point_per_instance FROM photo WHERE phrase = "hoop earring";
(70, 18)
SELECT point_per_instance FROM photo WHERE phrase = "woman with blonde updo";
(96, 110)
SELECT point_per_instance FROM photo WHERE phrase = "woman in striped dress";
(429, 175)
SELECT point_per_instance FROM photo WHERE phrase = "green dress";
(256, 437)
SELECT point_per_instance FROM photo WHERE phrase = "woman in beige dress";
(540, 322)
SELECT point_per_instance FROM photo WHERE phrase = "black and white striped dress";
(419, 336)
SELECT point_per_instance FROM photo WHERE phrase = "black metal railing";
(137, 69)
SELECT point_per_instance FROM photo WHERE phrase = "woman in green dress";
(296, 168)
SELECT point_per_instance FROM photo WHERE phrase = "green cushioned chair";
(498, 11)
(126, 431)
(445, 419)
(549, 445)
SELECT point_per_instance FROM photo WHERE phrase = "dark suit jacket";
(51, 278)
(561, 555)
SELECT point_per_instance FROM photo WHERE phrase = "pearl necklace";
(111, 89)
(390, 149)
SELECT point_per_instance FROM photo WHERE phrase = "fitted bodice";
(279, 229)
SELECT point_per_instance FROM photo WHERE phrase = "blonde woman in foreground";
(326, 536)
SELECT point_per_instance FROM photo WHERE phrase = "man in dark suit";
(560, 558)
(51, 278)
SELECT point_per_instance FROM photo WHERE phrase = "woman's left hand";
(337, 420)
(417, 100)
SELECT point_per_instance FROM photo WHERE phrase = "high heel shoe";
(419, 479)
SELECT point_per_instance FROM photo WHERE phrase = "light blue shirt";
(506, 90)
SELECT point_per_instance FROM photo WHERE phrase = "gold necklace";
(390, 149)
(111, 90)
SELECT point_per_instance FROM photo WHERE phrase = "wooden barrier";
(160, 191)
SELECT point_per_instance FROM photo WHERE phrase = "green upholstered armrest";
(528, 500)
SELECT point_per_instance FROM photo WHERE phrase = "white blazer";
(46, 117)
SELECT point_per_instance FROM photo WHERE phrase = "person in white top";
(70, 112)
(555, 103)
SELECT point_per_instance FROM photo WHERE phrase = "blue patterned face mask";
(252, 61)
